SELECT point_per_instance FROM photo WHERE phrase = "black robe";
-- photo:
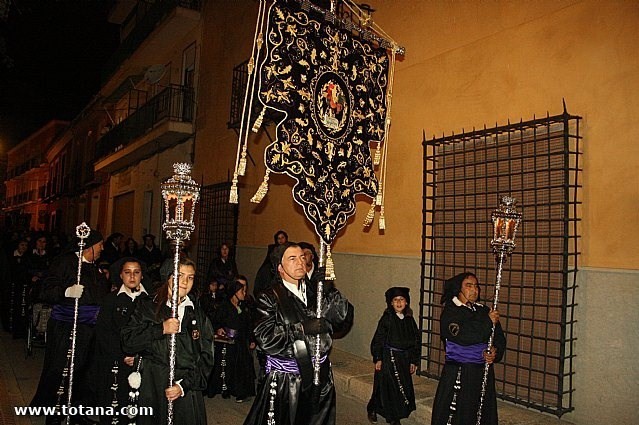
(61, 275)
(234, 367)
(223, 271)
(114, 314)
(465, 327)
(295, 402)
(194, 360)
(396, 344)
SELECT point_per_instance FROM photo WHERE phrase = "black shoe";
(372, 417)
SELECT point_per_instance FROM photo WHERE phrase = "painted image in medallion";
(332, 105)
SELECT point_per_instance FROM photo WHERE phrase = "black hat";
(397, 291)
(232, 287)
(278, 253)
(452, 286)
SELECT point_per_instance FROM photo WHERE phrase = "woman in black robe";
(234, 372)
(113, 365)
(465, 327)
(395, 350)
(147, 333)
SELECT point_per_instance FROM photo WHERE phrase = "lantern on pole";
(506, 220)
(180, 194)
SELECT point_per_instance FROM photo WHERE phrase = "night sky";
(51, 61)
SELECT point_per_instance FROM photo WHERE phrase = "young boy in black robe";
(465, 327)
(395, 351)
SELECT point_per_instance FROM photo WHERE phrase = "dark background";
(51, 55)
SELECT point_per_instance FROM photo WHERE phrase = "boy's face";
(399, 304)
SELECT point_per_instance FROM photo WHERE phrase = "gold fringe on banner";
(370, 216)
(378, 199)
(233, 198)
(378, 154)
(382, 219)
(259, 120)
(330, 267)
(262, 190)
(241, 168)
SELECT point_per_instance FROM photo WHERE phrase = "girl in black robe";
(465, 327)
(113, 365)
(233, 373)
(148, 333)
(395, 350)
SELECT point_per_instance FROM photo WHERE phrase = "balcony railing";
(145, 19)
(174, 103)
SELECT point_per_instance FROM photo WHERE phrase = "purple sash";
(285, 364)
(465, 353)
(87, 314)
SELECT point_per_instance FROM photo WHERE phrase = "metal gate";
(217, 225)
(539, 163)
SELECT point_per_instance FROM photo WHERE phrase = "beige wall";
(468, 64)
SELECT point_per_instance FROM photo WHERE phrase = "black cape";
(396, 343)
(294, 401)
(194, 360)
(464, 326)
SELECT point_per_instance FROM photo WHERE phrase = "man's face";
(469, 290)
(22, 247)
(92, 253)
(281, 239)
(308, 257)
(148, 242)
(131, 274)
(293, 264)
(224, 251)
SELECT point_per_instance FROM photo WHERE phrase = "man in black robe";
(465, 327)
(286, 330)
(60, 290)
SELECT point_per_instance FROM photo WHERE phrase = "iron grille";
(217, 224)
(538, 163)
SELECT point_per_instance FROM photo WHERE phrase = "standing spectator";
(17, 286)
(148, 333)
(112, 248)
(465, 327)
(130, 248)
(395, 350)
(223, 267)
(150, 254)
(38, 262)
(60, 290)
(266, 273)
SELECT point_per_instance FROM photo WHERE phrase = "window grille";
(538, 162)
(217, 224)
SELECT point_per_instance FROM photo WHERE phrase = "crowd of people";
(229, 341)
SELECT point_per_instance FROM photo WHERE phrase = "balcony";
(164, 19)
(164, 121)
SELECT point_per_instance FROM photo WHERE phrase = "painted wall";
(469, 64)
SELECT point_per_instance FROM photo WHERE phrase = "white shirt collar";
(458, 303)
(181, 307)
(299, 293)
(133, 295)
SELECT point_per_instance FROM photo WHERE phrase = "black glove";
(316, 326)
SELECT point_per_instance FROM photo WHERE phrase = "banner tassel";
(233, 198)
(259, 120)
(378, 154)
(262, 190)
(382, 219)
(370, 216)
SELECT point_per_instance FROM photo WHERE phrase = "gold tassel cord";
(330, 267)
(378, 154)
(370, 216)
(233, 196)
(241, 168)
(258, 121)
(382, 219)
(262, 190)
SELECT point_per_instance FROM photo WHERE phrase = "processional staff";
(506, 219)
(82, 232)
(180, 194)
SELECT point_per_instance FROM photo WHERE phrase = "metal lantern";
(180, 194)
(506, 220)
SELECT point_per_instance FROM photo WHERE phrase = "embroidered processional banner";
(331, 88)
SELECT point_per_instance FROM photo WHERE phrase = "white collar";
(181, 307)
(36, 252)
(16, 253)
(298, 292)
(133, 295)
(458, 303)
